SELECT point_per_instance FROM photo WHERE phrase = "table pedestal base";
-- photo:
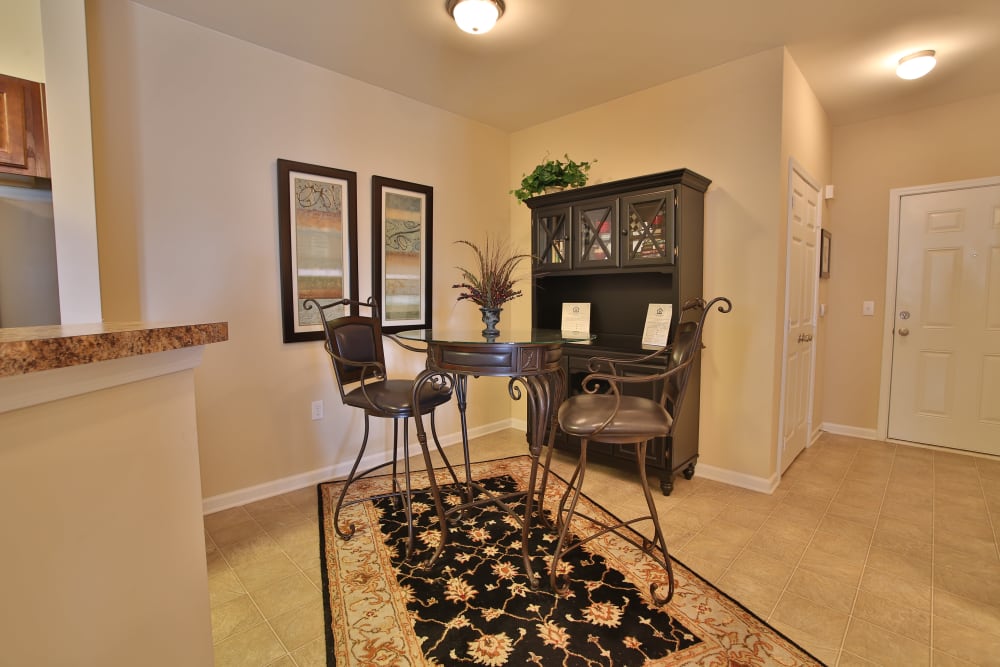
(536, 374)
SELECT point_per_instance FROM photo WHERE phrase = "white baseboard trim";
(852, 431)
(872, 434)
(276, 487)
(751, 482)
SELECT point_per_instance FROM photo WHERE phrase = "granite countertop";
(29, 349)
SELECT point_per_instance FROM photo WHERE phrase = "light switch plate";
(868, 308)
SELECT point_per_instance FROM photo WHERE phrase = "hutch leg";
(667, 482)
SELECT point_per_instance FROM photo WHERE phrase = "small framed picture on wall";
(824, 254)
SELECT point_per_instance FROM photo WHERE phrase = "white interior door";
(945, 376)
(800, 318)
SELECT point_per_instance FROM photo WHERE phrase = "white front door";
(800, 308)
(945, 377)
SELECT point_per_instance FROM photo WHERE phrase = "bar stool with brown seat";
(354, 343)
(618, 419)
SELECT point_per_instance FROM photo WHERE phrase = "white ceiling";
(547, 58)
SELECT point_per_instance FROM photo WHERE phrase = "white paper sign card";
(576, 317)
(657, 328)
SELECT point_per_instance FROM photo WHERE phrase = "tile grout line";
(250, 595)
(247, 592)
(864, 568)
(795, 567)
(989, 516)
(288, 652)
(812, 537)
(745, 547)
(989, 513)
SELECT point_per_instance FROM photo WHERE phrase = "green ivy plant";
(553, 173)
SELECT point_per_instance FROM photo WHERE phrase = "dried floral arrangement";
(493, 284)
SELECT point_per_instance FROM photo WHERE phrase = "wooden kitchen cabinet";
(24, 141)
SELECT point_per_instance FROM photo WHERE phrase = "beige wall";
(211, 253)
(946, 143)
(724, 123)
(104, 559)
(806, 137)
(21, 52)
(71, 158)
(186, 187)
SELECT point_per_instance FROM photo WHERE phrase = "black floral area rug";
(475, 606)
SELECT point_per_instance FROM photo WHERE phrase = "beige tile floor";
(867, 554)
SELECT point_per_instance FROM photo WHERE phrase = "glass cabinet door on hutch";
(648, 228)
(595, 233)
(551, 239)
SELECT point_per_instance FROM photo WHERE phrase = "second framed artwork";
(402, 240)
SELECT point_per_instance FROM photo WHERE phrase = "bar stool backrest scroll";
(356, 338)
(685, 348)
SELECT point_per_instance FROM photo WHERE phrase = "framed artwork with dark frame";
(402, 244)
(317, 244)
(824, 253)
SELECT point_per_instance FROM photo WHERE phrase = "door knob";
(904, 332)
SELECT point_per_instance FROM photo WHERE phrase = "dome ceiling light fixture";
(475, 16)
(916, 64)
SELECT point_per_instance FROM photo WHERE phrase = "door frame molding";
(891, 270)
(796, 167)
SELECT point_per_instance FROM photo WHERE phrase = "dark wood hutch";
(621, 246)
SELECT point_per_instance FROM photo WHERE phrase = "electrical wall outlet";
(317, 410)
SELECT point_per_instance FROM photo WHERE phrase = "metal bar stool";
(617, 419)
(354, 343)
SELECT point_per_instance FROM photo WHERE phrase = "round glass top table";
(531, 358)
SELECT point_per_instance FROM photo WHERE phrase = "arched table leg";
(544, 393)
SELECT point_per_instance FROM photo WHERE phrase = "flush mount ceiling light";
(916, 65)
(475, 16)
